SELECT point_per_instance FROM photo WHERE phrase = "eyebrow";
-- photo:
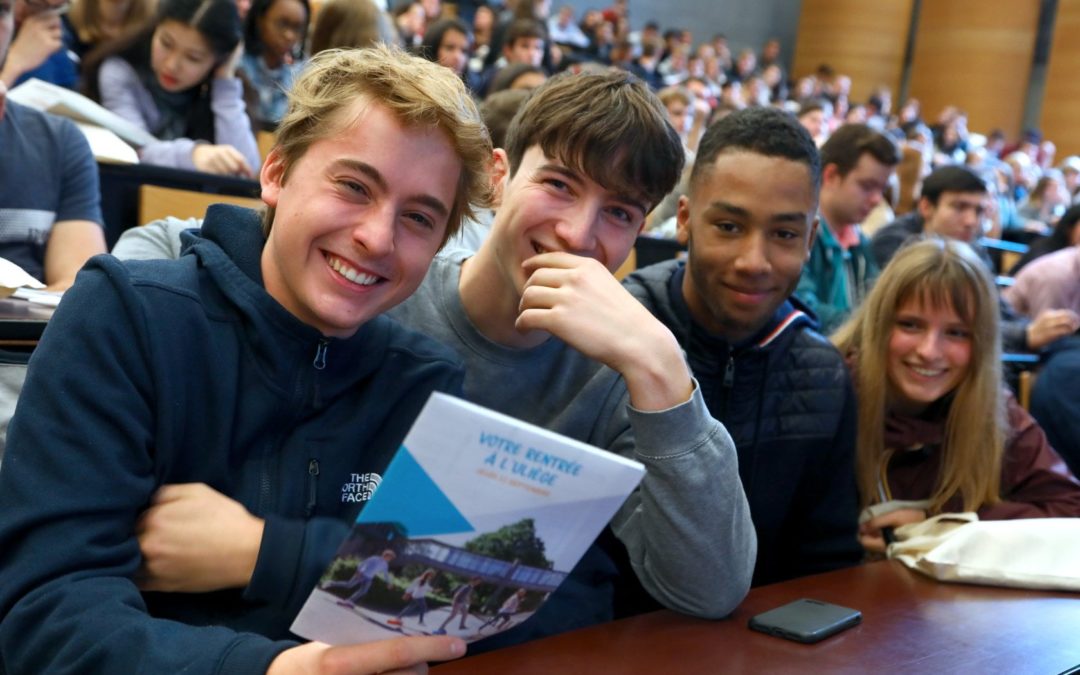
(573, 175)
(793, 216)
(432, 202)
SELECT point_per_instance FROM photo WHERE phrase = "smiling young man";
(778, 386)
(549, 336)
(254, 374)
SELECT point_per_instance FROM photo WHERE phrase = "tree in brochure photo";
(478, 519)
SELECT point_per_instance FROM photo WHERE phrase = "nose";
(172, 63)
(971, 219)
(376, 231)
(929, 346)
(577, 231)
(753, 258)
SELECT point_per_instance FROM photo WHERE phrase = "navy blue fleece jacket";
(188, 371)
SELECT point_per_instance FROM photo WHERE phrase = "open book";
(110, 136)
(478, 519)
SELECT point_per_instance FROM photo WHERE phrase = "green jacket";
(827, 286)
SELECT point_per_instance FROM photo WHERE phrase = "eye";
(622, 215)
(421, 220)
(726, 226)
(354, 187)
(560, 185)
(907, 325)
(958, 333)
(786, 235)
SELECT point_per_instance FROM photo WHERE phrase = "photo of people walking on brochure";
(385, 581)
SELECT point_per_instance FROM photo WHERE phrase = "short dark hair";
(508, 74)
(607, 125)
(524, 28)
(851, 141)
(813, 105)
(762, 131)
(952, 178)
(498, 110)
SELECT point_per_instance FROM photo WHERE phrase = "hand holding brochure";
(478, 519)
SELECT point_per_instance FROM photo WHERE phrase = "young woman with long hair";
(936, 426)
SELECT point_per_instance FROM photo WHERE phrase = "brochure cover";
(478, 519)
(48, 97)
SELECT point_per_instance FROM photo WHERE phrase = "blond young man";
(256, 369)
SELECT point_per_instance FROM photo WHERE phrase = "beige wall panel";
(1061, 103)
(975, 54)
(860, 38)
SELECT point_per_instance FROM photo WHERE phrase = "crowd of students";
(158, 510)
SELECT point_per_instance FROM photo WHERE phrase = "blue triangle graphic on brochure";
(408, 495)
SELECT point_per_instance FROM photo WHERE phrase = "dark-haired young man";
(951, 205)
(549, 336)
(780, 388)
(856, 163)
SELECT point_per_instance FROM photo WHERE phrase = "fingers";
(556, 260)
(222, 160)
(874, 544)
(175, 491)
(399, 655)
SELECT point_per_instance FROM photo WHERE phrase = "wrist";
(249, 553)
(659, 379)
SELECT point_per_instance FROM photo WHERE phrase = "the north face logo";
(360, 487)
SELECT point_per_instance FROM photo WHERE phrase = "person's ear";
(272, 177)
(500, 176)
(926, 209)
(829, 174)
(682, 218)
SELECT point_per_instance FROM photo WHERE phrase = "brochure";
(48, 97)
(479, 518)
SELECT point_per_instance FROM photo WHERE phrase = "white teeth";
(351, 274)
(927, 372)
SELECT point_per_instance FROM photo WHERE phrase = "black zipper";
(313, 486)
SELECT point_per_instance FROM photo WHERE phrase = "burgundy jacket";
(1035, 482)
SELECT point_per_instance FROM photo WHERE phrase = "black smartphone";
(806, 620)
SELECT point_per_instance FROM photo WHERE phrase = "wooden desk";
(910, 625)
(22, 322)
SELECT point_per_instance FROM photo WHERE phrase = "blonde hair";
(85, 16)
(418, 92)
(936, 273)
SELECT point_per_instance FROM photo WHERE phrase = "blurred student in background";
(177, 79)
(274, 34)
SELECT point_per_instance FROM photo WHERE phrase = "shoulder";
(36, 125)
(650, 284)
(116, 69)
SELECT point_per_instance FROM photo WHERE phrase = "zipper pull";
(729, 372)
(320, 355)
